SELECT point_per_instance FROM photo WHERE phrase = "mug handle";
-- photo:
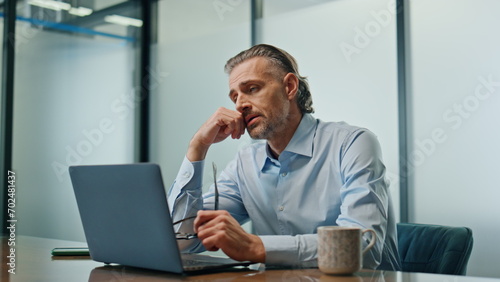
(372, 241)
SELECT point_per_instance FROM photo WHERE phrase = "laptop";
(126, 219)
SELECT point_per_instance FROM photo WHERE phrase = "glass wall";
(455, 86)
(195, 38)
(347, 49)
(74, 104)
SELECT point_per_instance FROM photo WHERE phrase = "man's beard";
(266, 129)
(261, 131)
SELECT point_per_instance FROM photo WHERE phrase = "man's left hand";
(219, 230)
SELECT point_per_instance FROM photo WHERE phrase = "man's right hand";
(222, 124)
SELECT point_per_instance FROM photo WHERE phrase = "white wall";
(456, 121)
(67, 93)
(347, 49)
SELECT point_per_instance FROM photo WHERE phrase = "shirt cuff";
(190, 173)
(189, 177)
(297, 251)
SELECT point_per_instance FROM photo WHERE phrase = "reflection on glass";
(62, 16)
(74, 104)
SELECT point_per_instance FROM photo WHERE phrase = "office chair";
(434, 248)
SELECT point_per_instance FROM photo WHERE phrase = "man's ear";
(291, 83)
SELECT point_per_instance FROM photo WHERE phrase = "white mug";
(340, 249)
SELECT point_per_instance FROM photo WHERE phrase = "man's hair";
(282, 61)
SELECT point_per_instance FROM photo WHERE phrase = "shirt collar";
(301, 142)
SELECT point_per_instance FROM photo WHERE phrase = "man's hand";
(222, 124)
(219, 230)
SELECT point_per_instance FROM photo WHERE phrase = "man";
(308, 173)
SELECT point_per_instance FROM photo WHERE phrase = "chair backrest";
(434, 248)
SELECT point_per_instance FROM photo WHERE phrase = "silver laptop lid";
(125, 215)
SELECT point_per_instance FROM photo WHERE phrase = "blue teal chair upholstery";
(434, 248)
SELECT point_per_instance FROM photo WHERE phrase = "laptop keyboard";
(198, 262)
(197, 259)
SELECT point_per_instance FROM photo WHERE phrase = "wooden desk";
(35, 263)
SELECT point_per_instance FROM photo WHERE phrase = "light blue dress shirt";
(329, 174)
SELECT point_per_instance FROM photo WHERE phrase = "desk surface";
(35, 263)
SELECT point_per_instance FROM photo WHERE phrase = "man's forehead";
(251, 69)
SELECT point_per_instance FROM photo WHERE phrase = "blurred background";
(102, 81)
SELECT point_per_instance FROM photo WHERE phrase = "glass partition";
(74, 103)
(455, 100)
(195, 38)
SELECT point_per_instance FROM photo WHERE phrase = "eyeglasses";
(189, 236)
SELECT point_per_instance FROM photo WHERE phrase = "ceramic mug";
(340, 249)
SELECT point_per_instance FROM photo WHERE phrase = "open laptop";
(127, 221)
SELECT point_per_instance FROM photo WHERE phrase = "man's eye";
(253, 89)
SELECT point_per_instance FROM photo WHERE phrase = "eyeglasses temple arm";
(184, 219)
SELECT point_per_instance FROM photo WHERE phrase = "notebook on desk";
(126, 219)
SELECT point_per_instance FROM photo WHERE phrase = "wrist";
(259, 250)
(196, 151)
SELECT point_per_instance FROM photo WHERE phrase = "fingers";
(206, 218)
(210, 227)
(230, 122)
(219, 230)
(222, 124)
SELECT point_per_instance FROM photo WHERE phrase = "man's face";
(260, 95)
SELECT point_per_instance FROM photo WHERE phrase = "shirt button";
(283, 174)
(282, 208)
(186, 174)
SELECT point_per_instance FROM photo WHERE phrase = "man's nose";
(242, 104)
